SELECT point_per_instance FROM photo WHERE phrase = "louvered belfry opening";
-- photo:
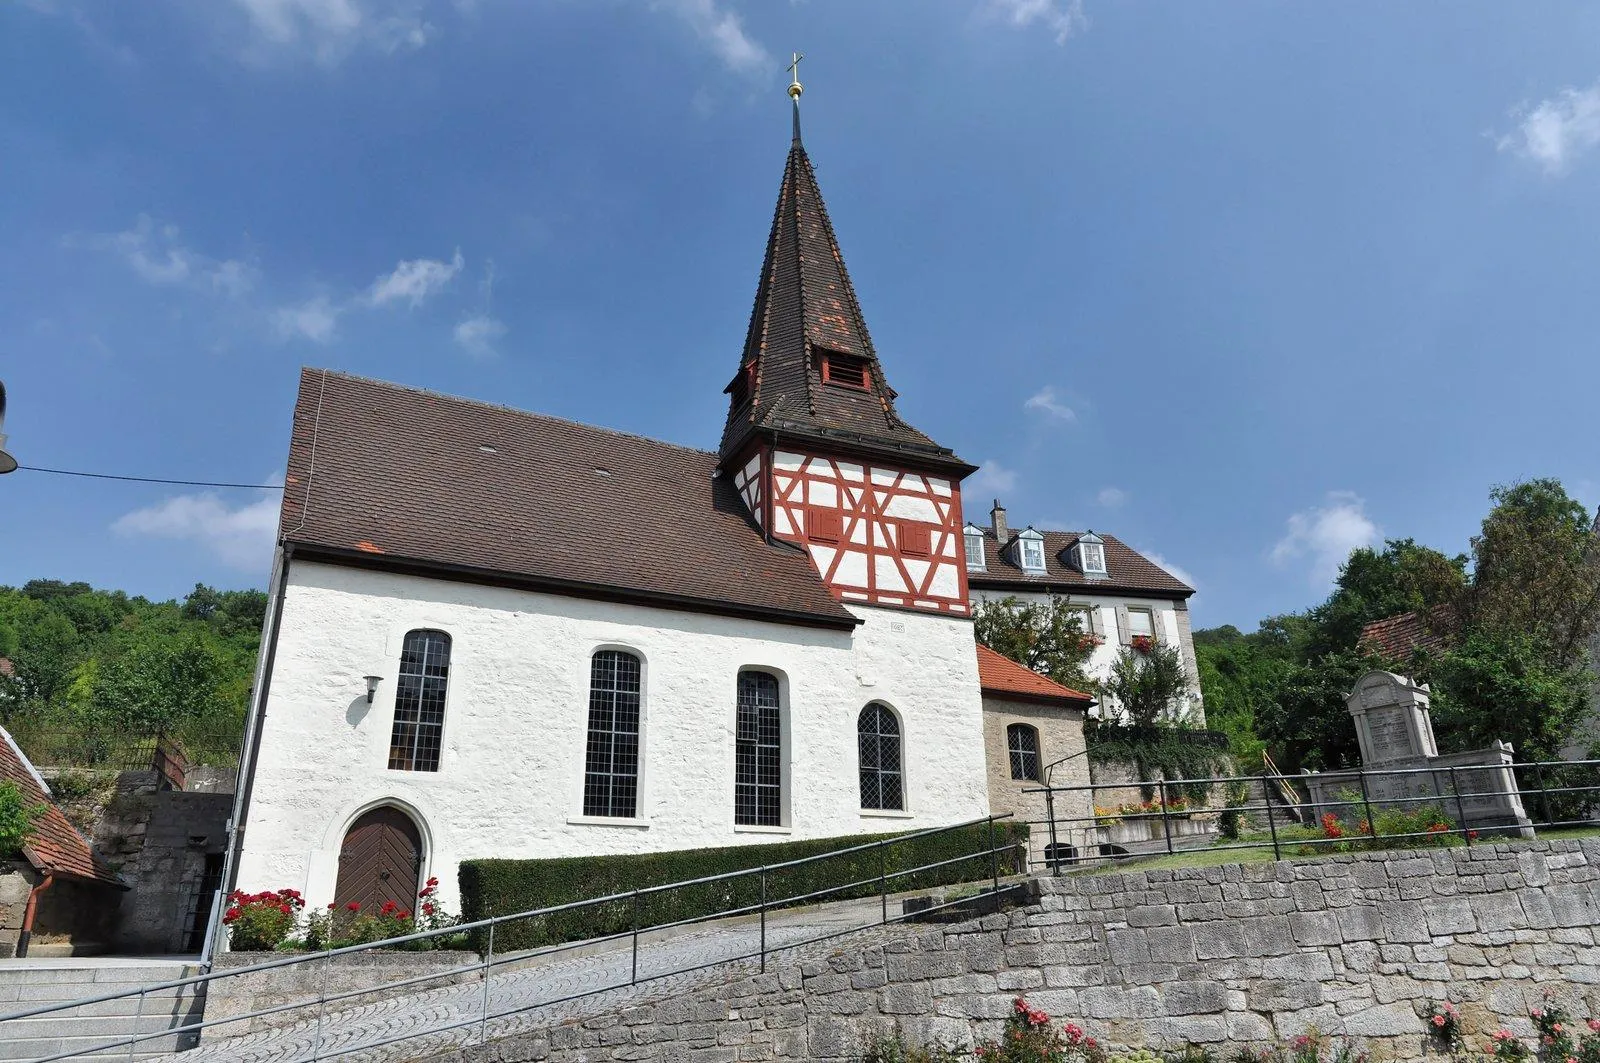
(381, 860)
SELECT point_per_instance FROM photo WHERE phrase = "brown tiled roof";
(1396, 638)
(1127, 571)
(55, 846)
(394, 477)
(806, 304)
(1002, 676)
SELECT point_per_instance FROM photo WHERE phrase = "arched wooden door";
(381, 860)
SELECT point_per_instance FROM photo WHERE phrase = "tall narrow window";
(758, 754)
(878, 733)
(611, 769)
(419, 702)
(1023, 742)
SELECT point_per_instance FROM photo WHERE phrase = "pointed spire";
(809, 367)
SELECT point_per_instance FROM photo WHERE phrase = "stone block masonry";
(1238, 955)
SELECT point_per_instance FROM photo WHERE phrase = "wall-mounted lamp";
(372, 686)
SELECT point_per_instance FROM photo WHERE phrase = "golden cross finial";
(795, 88)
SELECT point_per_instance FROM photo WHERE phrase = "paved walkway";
(537, 991)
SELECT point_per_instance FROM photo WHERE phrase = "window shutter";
(915, 539)
(1122, 625)
(825, 525)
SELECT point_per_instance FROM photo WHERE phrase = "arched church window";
(1023, 743)
(419, 698)
(878, 735)
(758, 753)
(611, 765)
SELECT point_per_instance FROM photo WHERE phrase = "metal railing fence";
(990, 861)
(1471, 800)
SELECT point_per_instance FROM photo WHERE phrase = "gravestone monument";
(1401, 766)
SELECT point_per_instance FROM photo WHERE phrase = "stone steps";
(37, 982)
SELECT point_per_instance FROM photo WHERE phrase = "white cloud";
(1111, 497)
(1048, 403)
(477, 334)
(1060, 17)
(1326, 534)
(991, 480)
(329, 30)
(1181, 573)
(313, 320)
(413, 280)
(724, 33)
(1553, 133)
(241, 536)
(157, 256)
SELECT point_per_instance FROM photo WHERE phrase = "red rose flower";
(354, 906)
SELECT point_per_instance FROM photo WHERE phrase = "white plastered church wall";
(511, 769)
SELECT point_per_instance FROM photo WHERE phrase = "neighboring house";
(499, 634)
(1122, 594)
(62, 890)
(1033, 735)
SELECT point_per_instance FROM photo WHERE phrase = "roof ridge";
(502, 407)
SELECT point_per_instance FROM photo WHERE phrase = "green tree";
(1497, 685)
(157, 684)
(1149, 687)
(1374, 584)
(1049, 638)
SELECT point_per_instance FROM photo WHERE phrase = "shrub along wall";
(501, 887)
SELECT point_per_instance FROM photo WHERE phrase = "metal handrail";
(489, 961)
(1445, 793)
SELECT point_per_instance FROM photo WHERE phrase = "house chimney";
(997, 523)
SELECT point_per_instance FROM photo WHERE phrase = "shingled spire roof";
(805, 311)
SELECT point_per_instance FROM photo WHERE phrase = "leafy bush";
(1162, 752)
(260, 922)
(17, 818)
(501, 887)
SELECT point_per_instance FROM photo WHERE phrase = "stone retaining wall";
(1237, 955)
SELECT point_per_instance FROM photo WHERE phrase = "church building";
(499, 634)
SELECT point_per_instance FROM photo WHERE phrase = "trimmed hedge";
(493, 887)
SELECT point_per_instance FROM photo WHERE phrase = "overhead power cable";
(149, 479)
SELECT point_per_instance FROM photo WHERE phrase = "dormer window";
(1089, 555)
(972, 536)
(845, 370)
(1030, 552)
(740, 386)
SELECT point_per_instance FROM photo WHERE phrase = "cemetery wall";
(1239, 955)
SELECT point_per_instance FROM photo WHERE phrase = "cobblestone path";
(536, 991)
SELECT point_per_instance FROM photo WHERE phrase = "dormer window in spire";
(846, 370)
(1030, 552)
(1089, 555)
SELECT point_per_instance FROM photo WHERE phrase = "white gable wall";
(511, 771)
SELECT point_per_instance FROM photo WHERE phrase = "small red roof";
(1005, 677)
(55, 846)
(1396, 638)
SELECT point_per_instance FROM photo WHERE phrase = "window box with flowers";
(1142, 644)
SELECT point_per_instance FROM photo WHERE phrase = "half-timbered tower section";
(813, 442)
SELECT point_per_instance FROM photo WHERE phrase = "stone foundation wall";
(1239, 955)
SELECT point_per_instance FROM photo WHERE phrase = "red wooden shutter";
(915, 539)
(824, 525)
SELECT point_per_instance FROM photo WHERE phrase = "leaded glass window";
(611, 766)
(758, 756)
(419, 697)
(878, 734)
(1023, 743)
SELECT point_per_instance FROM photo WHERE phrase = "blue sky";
(1245, 284)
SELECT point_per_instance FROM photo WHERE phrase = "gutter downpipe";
(32, 910)
(244, 781)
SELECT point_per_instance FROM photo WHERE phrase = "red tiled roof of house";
(393, 477)
(998, 674)
(6, 667)
(1127, 571)
(1396, 638)
(55, 846)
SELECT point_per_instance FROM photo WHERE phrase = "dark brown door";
(380, 861)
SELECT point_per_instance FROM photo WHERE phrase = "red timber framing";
(878, 535)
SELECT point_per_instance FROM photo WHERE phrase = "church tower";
(813, 441)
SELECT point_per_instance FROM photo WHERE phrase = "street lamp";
(7, 462)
